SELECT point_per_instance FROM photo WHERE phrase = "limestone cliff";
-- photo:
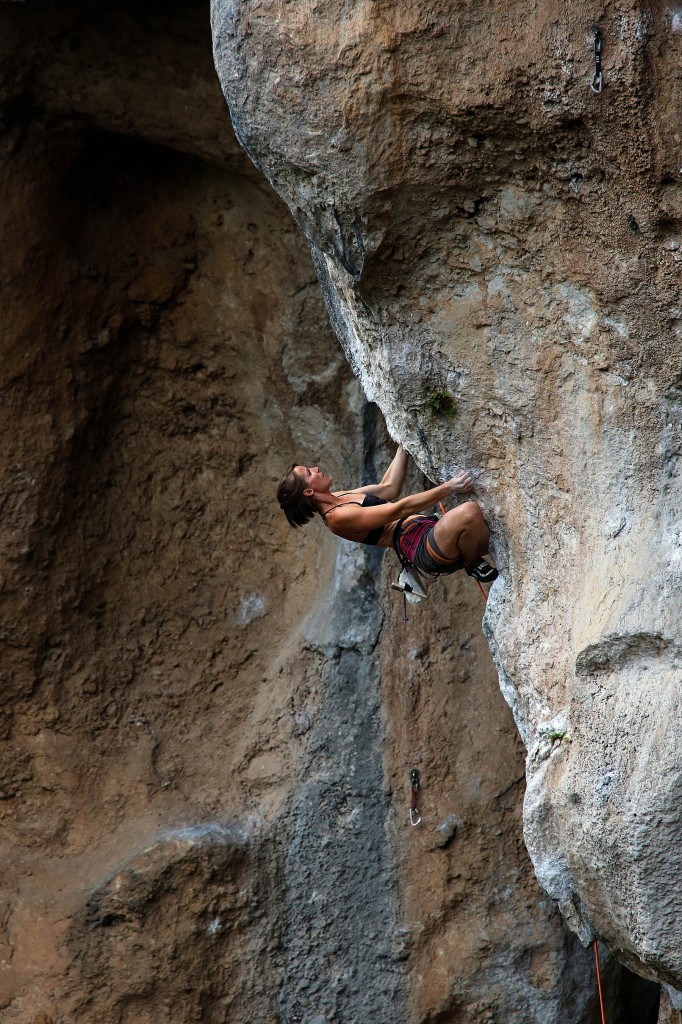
(208, 720)
(499, 246)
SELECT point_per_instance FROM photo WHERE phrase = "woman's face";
(315, 481)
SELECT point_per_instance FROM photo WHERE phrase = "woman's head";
(298, 507)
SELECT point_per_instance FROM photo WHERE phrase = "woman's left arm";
(392, 481)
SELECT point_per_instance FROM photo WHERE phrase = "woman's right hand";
(461, 483)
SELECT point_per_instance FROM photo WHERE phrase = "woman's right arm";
(413, 503)
(350, 521)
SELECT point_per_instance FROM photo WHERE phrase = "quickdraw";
(597, 83)
(415, 783)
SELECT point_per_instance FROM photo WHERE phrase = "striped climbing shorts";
(414, 542)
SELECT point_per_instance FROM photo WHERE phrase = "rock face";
(209, 720)
(500, 250)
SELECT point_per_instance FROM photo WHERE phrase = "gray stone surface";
(344, 956)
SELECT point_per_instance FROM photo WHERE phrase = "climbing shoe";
(482, 571)
(409, 584)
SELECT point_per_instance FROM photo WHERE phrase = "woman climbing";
(375, 514)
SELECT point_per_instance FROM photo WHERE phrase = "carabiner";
(415, 817)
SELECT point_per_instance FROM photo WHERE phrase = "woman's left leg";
(463, 531)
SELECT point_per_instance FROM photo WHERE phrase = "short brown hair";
(297, 506)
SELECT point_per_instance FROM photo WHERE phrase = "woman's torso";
(380, 536)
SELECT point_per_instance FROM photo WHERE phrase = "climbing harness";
(601, 997)
(415, 816)
(412, 581)
(597, 82)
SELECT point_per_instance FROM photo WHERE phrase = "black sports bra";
(374, 536)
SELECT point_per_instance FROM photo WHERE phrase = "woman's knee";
(470, 513)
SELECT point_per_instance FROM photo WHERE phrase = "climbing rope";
(601, 997)
(485, 598)
(414, 774)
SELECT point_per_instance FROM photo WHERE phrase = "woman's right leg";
(463, 531)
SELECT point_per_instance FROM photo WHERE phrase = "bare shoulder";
(345, 511)
(346, 517)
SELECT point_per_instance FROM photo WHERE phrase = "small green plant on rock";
(440, 403)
